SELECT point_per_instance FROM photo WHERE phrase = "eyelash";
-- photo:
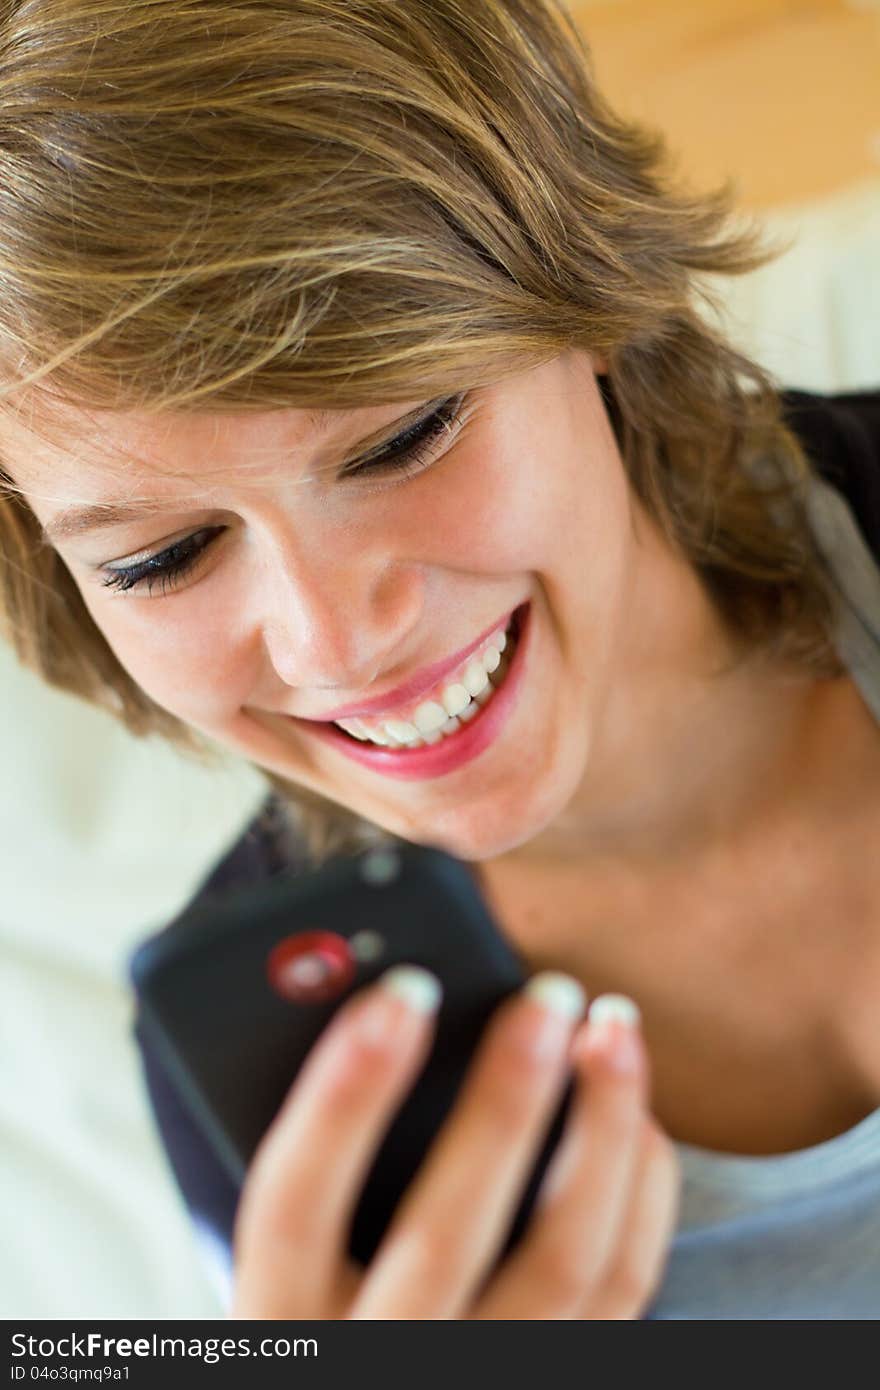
(407, 454)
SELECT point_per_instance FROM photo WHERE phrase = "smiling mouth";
(454, 703)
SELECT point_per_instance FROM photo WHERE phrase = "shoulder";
(841, 436)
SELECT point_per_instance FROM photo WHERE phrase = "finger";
(648, 1228)
(305, 1179)
(455, 1214)
(580, 1208)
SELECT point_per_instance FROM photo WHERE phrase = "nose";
(337, 620)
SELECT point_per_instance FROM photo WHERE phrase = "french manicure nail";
(411, 985)
(562, 1000)
(614, 1008)
(418, 988)
(614, 1021)
(559, 993)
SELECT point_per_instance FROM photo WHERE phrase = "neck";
(693, 740)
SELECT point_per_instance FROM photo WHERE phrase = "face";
(330, 574)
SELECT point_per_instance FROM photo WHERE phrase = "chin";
(488, 831)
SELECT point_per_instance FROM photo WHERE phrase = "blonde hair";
(256, 206)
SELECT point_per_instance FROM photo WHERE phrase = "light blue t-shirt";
(794, 1235)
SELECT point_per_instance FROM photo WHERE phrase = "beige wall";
(783, 94)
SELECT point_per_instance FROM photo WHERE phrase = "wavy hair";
(228, 205)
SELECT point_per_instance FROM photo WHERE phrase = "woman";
(354, 355)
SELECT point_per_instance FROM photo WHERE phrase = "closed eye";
(408, 448)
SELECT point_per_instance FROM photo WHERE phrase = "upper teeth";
(429, 721)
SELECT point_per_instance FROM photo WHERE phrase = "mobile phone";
(234, 996)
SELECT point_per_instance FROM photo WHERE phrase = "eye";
(407, 453)
(410, 450)
(168, 567)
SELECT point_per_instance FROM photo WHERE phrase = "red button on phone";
(311, 967)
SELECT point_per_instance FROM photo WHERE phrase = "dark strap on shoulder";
(841, 436)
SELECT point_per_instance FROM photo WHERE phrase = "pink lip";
(434, 760)
(411, 689)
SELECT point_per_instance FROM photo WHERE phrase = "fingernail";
(559, 993)
(613, 1021)
(562, 1001)
(614, 1008)
(418, 988)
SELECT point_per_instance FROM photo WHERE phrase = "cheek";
(188, 661)
(539, 501)
(499, 511)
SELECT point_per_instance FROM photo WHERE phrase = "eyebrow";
(102, 515)
(73, 521)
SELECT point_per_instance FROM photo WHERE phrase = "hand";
(598, 1236)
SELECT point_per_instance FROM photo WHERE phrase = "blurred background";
(104, 838)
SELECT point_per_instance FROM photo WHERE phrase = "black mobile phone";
(234, 996)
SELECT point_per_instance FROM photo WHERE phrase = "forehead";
(79, 469)
(74, 442)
